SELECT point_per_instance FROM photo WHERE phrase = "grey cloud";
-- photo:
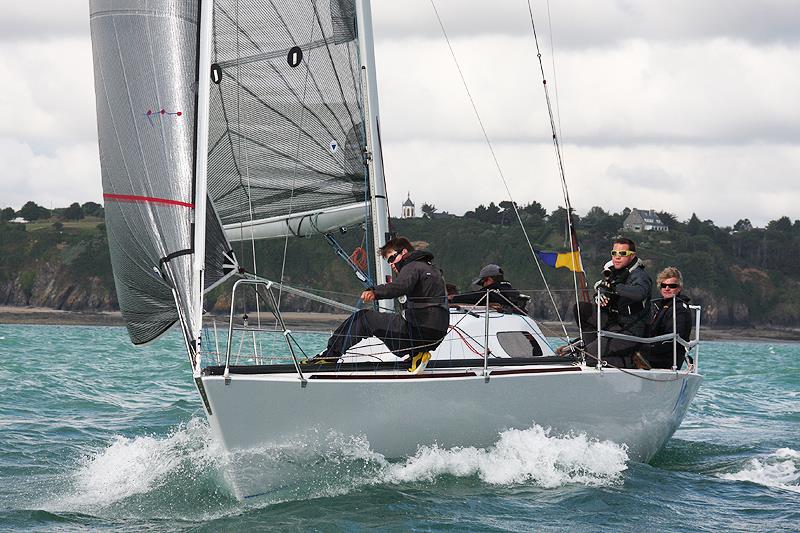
(43, 19)
(588, 23)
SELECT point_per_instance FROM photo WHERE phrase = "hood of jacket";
(416, 255)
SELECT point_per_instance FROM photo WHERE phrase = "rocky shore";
(328, 321)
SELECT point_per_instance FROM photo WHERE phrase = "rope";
(559, 157)
(497, 165)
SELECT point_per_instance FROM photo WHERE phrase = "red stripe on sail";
(146, 199)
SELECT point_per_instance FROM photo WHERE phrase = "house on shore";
(643, 220)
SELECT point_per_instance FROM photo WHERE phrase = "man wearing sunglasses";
(624, 298)
(426, 313)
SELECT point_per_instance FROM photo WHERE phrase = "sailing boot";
(419, 362)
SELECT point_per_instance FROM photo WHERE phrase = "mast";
(201, 165)
(374, 157)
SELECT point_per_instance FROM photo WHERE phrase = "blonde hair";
(670, 272)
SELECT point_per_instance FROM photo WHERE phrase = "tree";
(595, 216)
(428, 210)
(74, 212)
(535, 210)
(694, 225)
(669, 219)
(93, 209)
(32, 211)
(743, 225)
(7, 214)
(507, 213)
(781, 225)
(492, 214)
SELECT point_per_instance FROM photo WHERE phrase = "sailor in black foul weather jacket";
(426, 312)
(501, 292)
(624, 294)
(670, 283)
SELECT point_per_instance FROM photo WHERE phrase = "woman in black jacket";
(670, 283)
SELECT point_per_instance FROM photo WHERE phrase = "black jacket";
(423, 285)
(508, 292)
(628, 290)
(660, 355)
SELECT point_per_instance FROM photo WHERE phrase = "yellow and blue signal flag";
(570, 260)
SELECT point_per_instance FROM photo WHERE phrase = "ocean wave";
(134, 466)
(777, 470)
(520, 456)
(319, 465)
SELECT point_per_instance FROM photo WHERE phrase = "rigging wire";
(497, 163)
(553, 67)
(559, 157)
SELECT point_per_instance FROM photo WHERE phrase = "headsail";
(145, 64)
(286, 121)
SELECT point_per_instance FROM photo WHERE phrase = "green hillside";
(741, 276)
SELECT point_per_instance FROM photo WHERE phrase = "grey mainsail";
(145, 64)
(286, 115)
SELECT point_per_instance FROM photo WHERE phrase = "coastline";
(328, 321)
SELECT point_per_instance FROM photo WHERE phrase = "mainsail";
(286, 132)
(145, 64)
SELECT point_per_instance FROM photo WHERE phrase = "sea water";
(96, 434)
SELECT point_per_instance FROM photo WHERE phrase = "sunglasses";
(670, 286)
(391, 259)
(621, 253)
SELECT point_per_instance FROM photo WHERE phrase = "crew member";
(426, 312)
(670, 283)
(624, 298)
(501, 292)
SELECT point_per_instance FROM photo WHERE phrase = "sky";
(680, 106)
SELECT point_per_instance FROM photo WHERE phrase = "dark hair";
(398, 244)
(625, 240)
(450, 288)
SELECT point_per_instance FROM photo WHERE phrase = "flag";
(570, 260)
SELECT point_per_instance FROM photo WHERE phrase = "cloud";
(588, 24)
(44, 20)
(70, 174)
(723, 183)
(48, 92)
(709, 92)
(681, 106)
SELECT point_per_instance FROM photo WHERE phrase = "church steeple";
(408, 208)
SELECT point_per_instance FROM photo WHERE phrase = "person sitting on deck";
(670, 283)
(624, 299)
(501, 292)
(426, 312)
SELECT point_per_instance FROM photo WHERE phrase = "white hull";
(398, 413)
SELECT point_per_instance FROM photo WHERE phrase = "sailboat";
(223, 121)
